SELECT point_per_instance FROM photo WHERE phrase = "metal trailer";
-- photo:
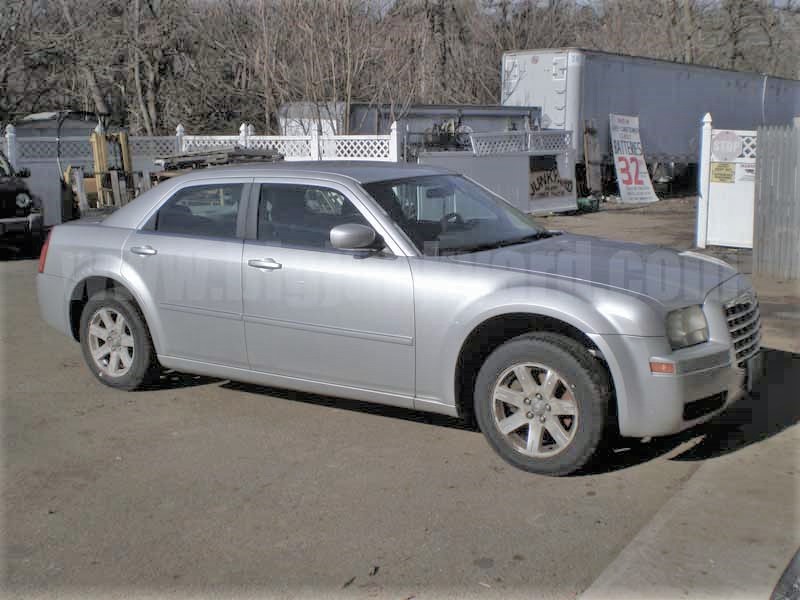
(299, 118)
(373, 119)
(577, 89)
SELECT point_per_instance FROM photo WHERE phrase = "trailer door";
(537, 79)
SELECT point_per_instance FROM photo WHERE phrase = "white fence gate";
(727, 187)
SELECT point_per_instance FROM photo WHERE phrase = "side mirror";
(24, 173)
(353, 236)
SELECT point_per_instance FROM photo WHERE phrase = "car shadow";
(383, 410)
(771, 408)
(768, 410)
(173, 380)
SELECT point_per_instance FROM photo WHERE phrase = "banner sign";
(634, 182)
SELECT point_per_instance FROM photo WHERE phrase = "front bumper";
(21, 225)
(707, 377)
(705, 382)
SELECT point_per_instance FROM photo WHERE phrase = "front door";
(189, 258)
(315, 313)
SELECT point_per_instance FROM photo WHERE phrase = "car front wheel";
(541, 400)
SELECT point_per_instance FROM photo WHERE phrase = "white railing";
(301, 147)
(358, 147)
(292, 147)
(549, 142)
(533, 142)
(192, 143)
(145, 149)
(499, 143)
(158, 145)
(44, 148)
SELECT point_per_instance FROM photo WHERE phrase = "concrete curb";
(720, 536)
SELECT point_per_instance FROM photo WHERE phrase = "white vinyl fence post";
(704, 183)
(314, 143)
(251, 131)
(179, 133)
(11, 145)
(243, 135)
(394, 148)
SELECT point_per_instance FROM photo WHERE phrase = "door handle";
(264, 263)
(144, 250)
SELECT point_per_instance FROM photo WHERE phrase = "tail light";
(43, 254)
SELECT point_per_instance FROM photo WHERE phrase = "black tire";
(144, 369)
(590, 388)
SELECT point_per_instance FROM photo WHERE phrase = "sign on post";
(634, 182)
(727, 186)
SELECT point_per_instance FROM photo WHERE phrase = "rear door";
(188, 256)
(316, 313)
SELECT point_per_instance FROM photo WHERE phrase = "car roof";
(359, 171)
(362, 172)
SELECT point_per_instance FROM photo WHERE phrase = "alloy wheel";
(534, 408)
(111, 342)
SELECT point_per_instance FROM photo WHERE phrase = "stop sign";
(726, 146)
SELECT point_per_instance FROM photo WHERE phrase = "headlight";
(687, 327)
(23, 200)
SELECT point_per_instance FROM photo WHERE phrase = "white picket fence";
(39, 154)
(77, 150)
(541, 143)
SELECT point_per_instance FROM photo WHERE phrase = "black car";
(20, 212)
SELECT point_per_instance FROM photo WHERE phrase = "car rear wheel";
(541, 400)
(116, 343)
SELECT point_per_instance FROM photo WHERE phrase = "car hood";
(671, 278)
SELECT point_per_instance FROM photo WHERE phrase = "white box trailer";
(576, 87)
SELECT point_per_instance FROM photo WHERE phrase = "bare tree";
(211, 64)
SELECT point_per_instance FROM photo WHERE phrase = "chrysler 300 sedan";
(410, 286)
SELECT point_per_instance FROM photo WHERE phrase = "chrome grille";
(744, 323)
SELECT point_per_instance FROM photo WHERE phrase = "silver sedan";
(409, 286)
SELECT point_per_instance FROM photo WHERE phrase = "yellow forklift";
(112, 181)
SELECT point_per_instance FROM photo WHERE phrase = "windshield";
(448, 214)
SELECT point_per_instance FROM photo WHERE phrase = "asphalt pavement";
(213, 488)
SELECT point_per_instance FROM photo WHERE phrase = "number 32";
(624, 164)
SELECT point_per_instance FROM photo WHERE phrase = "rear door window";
(204, 211)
